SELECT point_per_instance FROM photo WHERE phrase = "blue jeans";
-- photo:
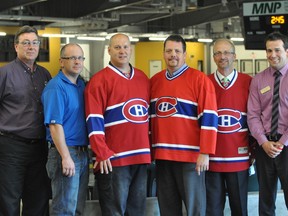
(68, 193)
(124, 191)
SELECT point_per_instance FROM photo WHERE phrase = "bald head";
(117, 37)
(120, 51)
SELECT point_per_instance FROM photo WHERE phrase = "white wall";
(86, 71)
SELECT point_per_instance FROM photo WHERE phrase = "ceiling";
(194, 18)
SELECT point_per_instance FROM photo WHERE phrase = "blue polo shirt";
(63, 103)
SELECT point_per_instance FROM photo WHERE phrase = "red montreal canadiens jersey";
(117, 116)
(183, 115)
(232, 139)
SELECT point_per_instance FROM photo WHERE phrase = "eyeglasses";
(74, 58)
(225, 53)
(30, 43)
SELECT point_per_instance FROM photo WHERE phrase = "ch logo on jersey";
(166, 106)
(228, 120)
(136, 110)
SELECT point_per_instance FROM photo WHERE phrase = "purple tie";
(275, 104)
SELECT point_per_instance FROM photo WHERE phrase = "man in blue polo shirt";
(67, 164)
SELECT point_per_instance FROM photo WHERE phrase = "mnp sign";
(264, 8)
(262, 18)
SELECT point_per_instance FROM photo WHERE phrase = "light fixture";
(2, 33)
(224, 8)
(205, 40)
(58, 35)
(133, 39)
(157, 3)
(92, 38)
(237, 39)
(192, 5)
(157, 38)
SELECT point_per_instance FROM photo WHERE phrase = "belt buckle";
(269, 137)
(277, 137)
(77, 148)
(274, 138)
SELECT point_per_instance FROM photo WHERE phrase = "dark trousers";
(23, 176)
(235, 184)
(124, 191)
(178, 182)
(268, 172)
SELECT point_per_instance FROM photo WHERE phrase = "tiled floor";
(93, 208)
(253, 197)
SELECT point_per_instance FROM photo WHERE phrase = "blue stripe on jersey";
(113, 115)
(179, 147)
(95, 124)
(186, 108)
(152, 108)
(228, 160)
(243, 121)
(131, 153)
(209, 120)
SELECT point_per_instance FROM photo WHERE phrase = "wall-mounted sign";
(262, 18)
(264, 8)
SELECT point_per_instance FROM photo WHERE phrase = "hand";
(202, 163)
(272, 149)
(105, 165)
(68, 167)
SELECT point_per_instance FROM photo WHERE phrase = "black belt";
(78, 148)
(19, 138)
(274, 138)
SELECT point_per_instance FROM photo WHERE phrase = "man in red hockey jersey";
(117, 101)
(184, 128)
(228, 170)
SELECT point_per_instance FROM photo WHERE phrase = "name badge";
(266, 89)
